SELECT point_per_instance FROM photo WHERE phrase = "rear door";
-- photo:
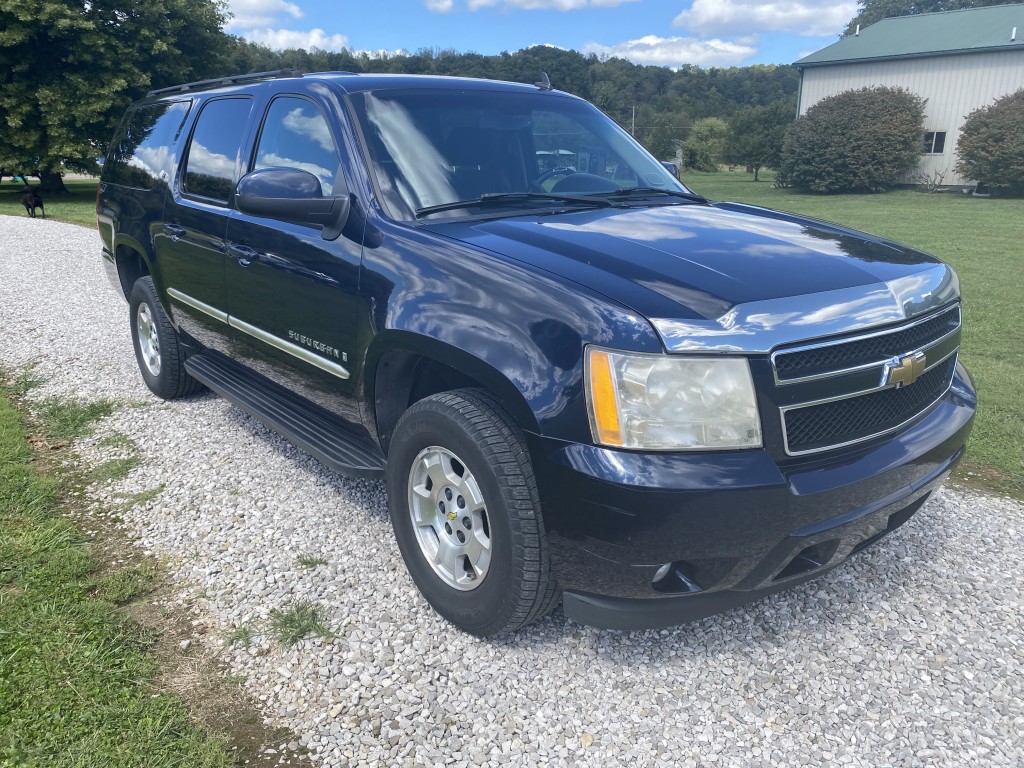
(292, 294)
(190, 242)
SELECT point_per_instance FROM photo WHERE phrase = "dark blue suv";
(581, 380)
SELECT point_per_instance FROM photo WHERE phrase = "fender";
(517, 330)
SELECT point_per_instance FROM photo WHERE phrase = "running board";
(301, 423)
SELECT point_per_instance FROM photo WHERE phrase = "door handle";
(243, 254)
(174, 231)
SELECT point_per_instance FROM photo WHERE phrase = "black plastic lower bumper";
(645, 540)
(807, 556)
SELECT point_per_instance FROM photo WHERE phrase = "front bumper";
(734, 526)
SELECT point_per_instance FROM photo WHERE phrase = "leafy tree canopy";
(68, 69)
(71, 67)
(991, 144)
(705, 144)
(871, 11)
(855, 141)
(756, 135)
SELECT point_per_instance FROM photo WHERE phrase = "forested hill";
(665, 101)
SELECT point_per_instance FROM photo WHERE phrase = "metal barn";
(957, 60)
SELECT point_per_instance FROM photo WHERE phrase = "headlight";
(668, 403)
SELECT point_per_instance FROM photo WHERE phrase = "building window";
(934, 142)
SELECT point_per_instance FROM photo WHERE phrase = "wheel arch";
(131, 262)
(404, 368)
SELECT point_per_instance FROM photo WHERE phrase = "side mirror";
(671, 168)
(294, 195)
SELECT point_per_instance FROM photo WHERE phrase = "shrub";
(991, 144)
(855, 141)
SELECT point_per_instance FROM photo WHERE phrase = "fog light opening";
(676, 578)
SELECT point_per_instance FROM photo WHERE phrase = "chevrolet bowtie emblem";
(901, 371)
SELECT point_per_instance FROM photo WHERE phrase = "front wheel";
(466, 513)
(160, 357)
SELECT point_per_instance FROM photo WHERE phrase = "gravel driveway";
(910, 654)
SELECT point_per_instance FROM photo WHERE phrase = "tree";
(855, 141)
(68, 69)
(705, 144)
(991, 144)
(756, 135)
(872, 11)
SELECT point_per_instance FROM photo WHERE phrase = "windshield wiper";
(507, 197)
(645, 191)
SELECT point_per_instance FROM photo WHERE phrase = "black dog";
(31, 200)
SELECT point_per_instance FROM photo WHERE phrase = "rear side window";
(144, 151)
(296, 135)
(213, 149)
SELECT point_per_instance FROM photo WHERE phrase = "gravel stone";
(912, 653)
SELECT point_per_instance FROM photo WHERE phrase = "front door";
(291, 294)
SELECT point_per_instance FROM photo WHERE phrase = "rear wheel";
(466, 513)
(160, 357)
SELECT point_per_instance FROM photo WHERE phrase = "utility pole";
(632, 123)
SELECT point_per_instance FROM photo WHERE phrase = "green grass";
(300, 619)
(68, 419)
(75, 678)
(311, 561)
(981, 239)
(79, 207)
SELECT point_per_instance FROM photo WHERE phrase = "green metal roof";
(928, 34)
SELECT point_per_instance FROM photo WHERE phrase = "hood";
(705, 266)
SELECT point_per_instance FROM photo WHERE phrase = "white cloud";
(259, 13)
(812, 18)
(676, 51)
(444, 6)
(280, 39)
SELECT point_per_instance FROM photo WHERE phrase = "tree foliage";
(68, 69)
(991, 144)
(705, 145)
(855, 141)
(756, 135)
(871, 11)
(71, 67)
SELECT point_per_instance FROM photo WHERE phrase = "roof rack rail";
(233, 80)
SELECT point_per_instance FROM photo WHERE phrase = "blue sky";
(663, 32)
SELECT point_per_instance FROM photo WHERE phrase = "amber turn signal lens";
(604, 416)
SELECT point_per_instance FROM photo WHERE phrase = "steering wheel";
(565, 170)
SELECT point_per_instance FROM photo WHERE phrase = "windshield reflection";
(431, 147)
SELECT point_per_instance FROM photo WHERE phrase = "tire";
(466, 513)
(157, 351)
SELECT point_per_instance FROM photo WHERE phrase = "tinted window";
(296, 135)
(430, 147)
(213, 150)
(144, 150)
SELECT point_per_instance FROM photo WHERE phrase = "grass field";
(76, 680)
(79, 207)
(980, 237)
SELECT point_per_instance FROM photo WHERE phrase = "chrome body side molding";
(306, 355)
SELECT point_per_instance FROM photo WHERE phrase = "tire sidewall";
(485, 609)
(143, 292)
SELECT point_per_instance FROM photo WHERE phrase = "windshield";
(431, 147)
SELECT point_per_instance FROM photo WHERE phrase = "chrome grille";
(841, 391)
(852, 419)
(833, 357)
